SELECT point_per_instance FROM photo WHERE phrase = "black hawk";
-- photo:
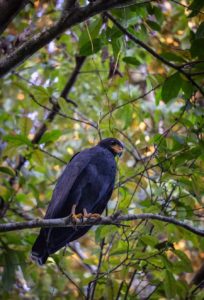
(84, 187)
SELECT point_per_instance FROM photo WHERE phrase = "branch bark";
(68, 19)
(110, 220)
(10, 9)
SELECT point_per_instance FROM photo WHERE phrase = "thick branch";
(114, 220)
(68, 4)
(79, 63)
(10, 8)
(73, 17)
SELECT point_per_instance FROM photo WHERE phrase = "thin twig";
(129, 102)
(70, 279)
(152, 52)
(52, 113)
(129, 285)
(67, 20)
(93, 287)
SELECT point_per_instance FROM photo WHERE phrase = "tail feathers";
(39, 253)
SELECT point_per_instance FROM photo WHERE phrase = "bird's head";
(113, 145)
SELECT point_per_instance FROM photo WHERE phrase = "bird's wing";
(64, 184)
(101, 205)
(59, 237)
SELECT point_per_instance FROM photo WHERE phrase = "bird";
(83, 189)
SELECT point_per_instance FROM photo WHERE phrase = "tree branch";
(68, 4)
(68, 19)
(10, 9)
(152, 52)
(110, 220)
(79, 63)
(54, 110)
(94, 282)
(70, 279)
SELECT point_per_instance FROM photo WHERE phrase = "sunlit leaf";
(17, 139)
(25, 124)
(50, 136)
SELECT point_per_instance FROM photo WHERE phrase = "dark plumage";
(86, 182)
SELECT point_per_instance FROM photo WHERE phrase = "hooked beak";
(118, 150)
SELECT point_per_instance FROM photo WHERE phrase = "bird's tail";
(39, 253)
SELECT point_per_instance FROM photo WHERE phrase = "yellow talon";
(76, 217)
(90, 215)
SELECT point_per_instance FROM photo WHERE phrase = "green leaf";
(155, 26)
(200, 31)
(38, 157)
(21, 198)
(104, 231)
(90, 33)
(188, 155)
(116, 46)
(198, 185)
(17, 140)
(158, 14)
(196, 6)
(63, 104)
(121, 249)
(50, 136)
(187, 88)
(131, 60)
(149, 240)
(90, 41)
(167, 263)
(127, 116)
(172, 56)
(41, 94)
(25, 124)
(139, 10)
(7, 170)
(171, 87)
(169, 285)
(90, 47)
(185, 260)
(197, 48)
(182, 289)
(113, 33)
(22, 86)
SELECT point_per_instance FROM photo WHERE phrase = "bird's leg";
(75, 216)
(85, 213)
(90, 215)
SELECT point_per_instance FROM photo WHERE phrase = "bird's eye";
(113, 143)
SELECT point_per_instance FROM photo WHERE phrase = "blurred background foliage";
(121, 91)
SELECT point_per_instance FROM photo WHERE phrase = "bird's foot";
(94, 216)
(76, 217)
(91, 215)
